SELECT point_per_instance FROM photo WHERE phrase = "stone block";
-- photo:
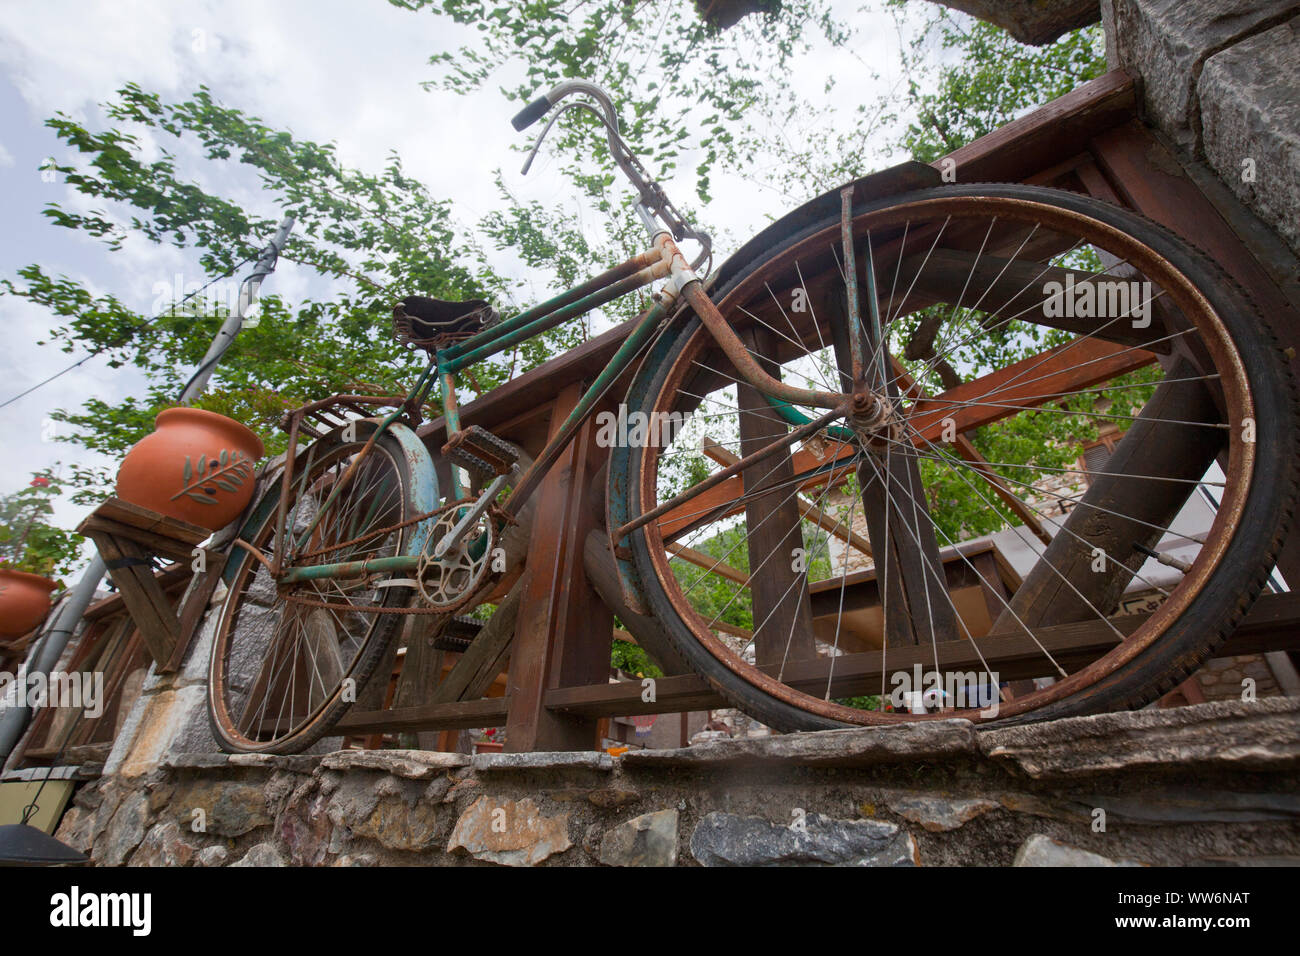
(1040, 850)
(510, 832)
(859, 747)
(936, 813)
(262, 854)
(1250, 117)
(410, 764)
(1224, 735)
(1167, 43)
(727, 839)
(647, 840)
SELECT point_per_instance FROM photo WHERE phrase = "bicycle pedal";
(479, 451)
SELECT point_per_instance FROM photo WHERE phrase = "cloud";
(331, 71)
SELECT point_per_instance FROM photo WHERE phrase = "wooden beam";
(463, 715)
(1030, 383)
(969, 453)
(708, 563)
(808, 510)
(1272, 624)
(1120, 513)
(1046, 136)
(778, 592)
(564, 635)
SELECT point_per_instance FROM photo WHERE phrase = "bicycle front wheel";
(1074, 416)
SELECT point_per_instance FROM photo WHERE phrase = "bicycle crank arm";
(454, 536)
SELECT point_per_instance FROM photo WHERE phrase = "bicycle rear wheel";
(287, 661)
(1058, 384)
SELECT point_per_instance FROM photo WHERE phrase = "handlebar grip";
(531, 113)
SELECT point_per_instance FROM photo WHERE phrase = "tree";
(992, 79)
(372, 237)
(28, 541)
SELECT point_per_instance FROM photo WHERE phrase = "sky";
(332, 71)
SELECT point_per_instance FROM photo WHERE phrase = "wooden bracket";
(128, 538)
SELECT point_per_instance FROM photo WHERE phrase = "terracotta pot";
(197, 466)
(24, 601)
(489, 747)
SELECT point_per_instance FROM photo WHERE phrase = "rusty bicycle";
(932, 444)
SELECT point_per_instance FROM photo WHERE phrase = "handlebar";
(652, 199)
(531, 113)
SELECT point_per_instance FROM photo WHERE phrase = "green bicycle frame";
(662, 261)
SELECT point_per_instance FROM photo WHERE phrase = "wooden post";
(1150, 179)
(1063, 586)
(779, 594)
(918, 608)
(127, 537)
(564, 632)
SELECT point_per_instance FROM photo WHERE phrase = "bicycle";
(889, 337)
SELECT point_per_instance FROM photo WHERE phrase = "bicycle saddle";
(421, 321)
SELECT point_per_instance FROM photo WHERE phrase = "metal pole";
(234, 322)
(14, 720)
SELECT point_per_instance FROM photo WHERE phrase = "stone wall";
(1221, 79)
(1215, 782)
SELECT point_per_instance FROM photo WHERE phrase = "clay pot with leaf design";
(197, 466)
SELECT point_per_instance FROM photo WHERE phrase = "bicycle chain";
(308, 602)
(378, 531)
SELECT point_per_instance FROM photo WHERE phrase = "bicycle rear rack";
(317, 418)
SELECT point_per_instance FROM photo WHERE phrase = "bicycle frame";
(663, 261)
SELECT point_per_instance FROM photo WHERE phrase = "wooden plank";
(918, 607)
(683, 693)
(809, 511)
(1029, 383)
(689, 514)
(485, 658)
(124, 512)
(565, 635)
(159, 544)
(708, 563)
(194, 609)
(969, 453)
(171, 580)
(1272, 624)
(778, 593)
(132, 571)
(1047, 136)
(462, 715)
(1133, 511)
